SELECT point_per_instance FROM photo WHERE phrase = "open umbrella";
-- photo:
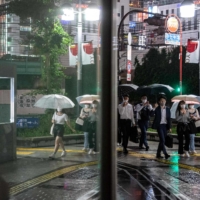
(126, 89)
(53, 101)
(173, 110)
(87, 98)
(154, 89)
(189, 99)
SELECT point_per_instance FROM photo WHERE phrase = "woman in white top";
(59, 119)
(194, 114)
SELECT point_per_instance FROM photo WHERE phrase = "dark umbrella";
(154, 89)
(126, 89)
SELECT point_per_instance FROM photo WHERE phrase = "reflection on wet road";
(140, 175)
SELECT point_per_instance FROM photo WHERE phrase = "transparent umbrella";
(155, 89)
(189, 99)
(54, 101)
(87, 99)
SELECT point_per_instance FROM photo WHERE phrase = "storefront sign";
(172, 24)
(171, 38)
(192, 54)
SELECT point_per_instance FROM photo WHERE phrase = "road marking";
(44, 178)
(24, 152)
(153, 157)
(49, 149)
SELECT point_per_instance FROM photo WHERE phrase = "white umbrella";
(87, 98)
(189, 99)
(54, 101)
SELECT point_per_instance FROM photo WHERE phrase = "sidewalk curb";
(153, 136)
(79, 139)
(49, 140)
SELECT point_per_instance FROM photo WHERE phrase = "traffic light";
(178, 89)
(155, 21)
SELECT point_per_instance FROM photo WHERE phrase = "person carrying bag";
(194, 123)
(183, 129)
(81, 121)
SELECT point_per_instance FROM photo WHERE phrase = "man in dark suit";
(162, 123)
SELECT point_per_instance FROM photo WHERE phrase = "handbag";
(134, 134)
(89, 126)
(79, 124)
(197, 123)
(79, 121)
(169, 141)
(52, 126)
(51, 129)
(192, 127)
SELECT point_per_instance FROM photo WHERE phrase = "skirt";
(58, 130)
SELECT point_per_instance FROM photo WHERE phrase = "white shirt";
(126, 112)
(60, 119)
(139, 107)
(163, 116)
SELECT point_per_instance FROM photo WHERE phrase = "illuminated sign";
(132, 24)
(172, 24)
(171, 38)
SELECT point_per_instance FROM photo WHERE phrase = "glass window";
(189, 25)
(6, 95)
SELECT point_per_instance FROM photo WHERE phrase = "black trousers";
(180, 142)
(125, 128)
(119, 135)
(92, 140)
(162, 133)
(181, 135)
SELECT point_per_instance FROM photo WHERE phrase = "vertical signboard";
(128, 70)
(192, 54)
(129, 53)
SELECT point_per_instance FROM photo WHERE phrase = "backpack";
(145, 113)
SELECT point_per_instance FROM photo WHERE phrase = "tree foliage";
(163, 67)
(48, 38)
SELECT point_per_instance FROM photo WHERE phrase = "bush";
(44, 127)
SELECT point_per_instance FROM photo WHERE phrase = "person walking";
(183, 117)
(59, 118)
(126, 118)
(84, 115)
(91, 126)
(144, 110)
(162, 123)
(194, 114)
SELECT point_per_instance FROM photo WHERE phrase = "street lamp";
(187, 10)
(91, 13)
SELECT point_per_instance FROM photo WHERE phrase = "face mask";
(183, 106)
(125, 101)
(144, 100)
(192, 106)
(94, 105)
(86, 106)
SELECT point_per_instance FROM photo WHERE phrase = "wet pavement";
(140, 175)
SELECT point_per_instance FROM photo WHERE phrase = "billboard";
(87, 54)
(192, 53)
